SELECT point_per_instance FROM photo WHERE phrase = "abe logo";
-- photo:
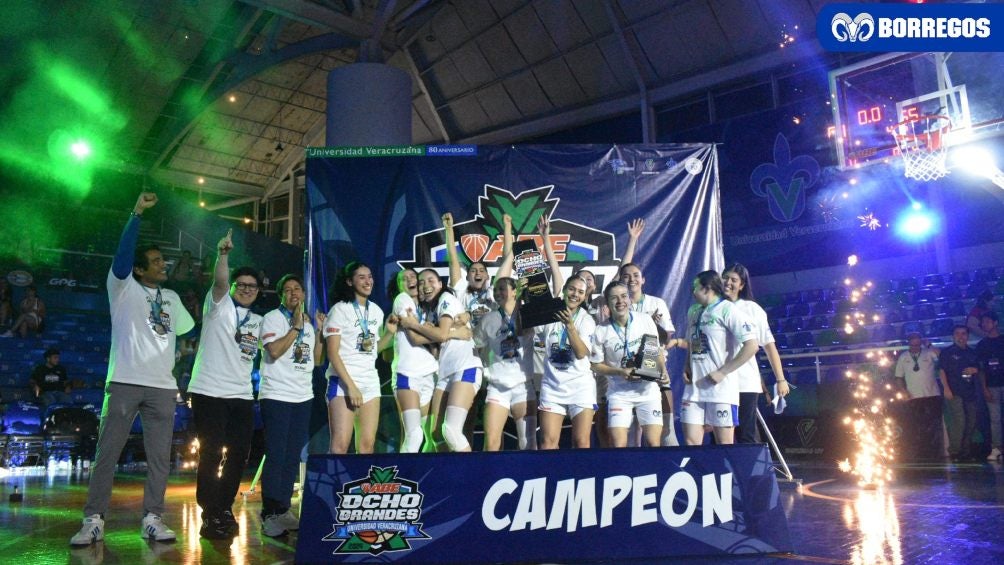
(860, 28)
(378, 513)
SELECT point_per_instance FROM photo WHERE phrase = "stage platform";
(936, 513)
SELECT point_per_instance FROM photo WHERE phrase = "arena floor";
(936, 513)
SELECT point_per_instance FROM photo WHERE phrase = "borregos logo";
(902, 27)
(860, 28)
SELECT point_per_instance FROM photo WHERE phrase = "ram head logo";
(860, 28)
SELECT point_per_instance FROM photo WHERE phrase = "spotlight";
(916, 225)
(974, 160)
(80, 149)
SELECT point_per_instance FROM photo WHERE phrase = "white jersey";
(608, 348)
(359, 329)
(749, 373)
(455, 355)
(145, 325)
(654, 305)
(565, 376)
(224, 361)
(922, 382)
(714, 333)
(477, 303)
(289, 377)
(510, 356)
(410, 360)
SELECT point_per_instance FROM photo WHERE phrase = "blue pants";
(286, 427)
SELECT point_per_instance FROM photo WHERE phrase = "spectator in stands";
(49, 381)
(6, 303)
(183, 272)
(916, 374)
(959, 373)
(291, 348)
(736, 280)
(711, 397)
(31, 317)
(221, 394)
(146, 320)
(984, 304)
(991, 352)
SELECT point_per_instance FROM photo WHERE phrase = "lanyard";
(363, 317)
(564, 329)
(289, 320)
(703, 311)
(156, 304)
(237, 315)
(627, 329)
(638, 306)
(509, 321)
(475, 298)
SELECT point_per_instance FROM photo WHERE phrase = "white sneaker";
(289, 520)
(91, 530)
(154, 528)
(272, 526)
(995, 454)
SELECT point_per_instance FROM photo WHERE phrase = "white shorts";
(717, 414)
(620, 412)
(423, 385)
(570, 410)
(507, 396)
(471, 375)
(370, 388)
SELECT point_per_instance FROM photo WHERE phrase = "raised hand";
(226, 244)
(544, 226)
(320, 318)
(564, 316)
(507, 221)
(448, 221)
(145, 200)
(298, 317)
(635, 227)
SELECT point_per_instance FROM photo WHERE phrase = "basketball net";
(921, 143)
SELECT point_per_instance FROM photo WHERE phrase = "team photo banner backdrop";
(533, 506)
(383, 206)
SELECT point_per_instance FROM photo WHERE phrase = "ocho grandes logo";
(378, 513)
(480, 238)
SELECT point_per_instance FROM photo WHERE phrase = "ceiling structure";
(232, 91)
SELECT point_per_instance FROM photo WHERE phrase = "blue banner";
(911, 27)
(542, 506)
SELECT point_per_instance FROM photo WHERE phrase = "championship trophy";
(538, 306)
(646, 361)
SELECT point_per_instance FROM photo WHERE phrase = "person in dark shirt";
(960, 373)
(49, 381)
(991, 352)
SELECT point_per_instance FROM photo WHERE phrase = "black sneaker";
(229, 522)
(214, 528)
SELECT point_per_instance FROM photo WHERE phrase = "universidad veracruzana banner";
(529, 506)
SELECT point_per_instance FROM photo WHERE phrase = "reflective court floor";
(937, 513)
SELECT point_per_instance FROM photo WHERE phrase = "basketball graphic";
(475, 245)
(368, 536)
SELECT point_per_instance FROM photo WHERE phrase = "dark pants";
(925, 417)
(749, 430)
(970, 409)
(286, 426)
(221, 423)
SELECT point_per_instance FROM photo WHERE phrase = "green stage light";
(80, 149)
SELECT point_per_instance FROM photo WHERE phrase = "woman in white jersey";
(715, 328)
(615, 347)
(414, 366)
(736, 280)
(447, 324)
(510, 389)
(291, 348)
(353, 339)
(568, 387)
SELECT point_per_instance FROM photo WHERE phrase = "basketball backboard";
(868, 98)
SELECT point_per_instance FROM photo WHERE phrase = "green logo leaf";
(380, 475)
(525, 209)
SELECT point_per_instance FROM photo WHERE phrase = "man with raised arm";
(146, 320)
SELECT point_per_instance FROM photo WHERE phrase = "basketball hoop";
(921, 143)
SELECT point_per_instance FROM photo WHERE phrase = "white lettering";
(488, 516)
(615, 490)
(640, 500)
(679, 481)
(716, 501)
(577, 499)
(532, 507)
(933, 28)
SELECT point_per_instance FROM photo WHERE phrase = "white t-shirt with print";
(608, 348)
(923, 382)
(654, 305)
(749, 373)
(565, 376)
(455, 355)
(347, 320)
(289, 377)
(222, 366)
(715, 333)
(477, 303)
(409, 359)
(511, 358)
(143, 334)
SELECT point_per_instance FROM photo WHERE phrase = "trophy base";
(540, 312)
(647, 375)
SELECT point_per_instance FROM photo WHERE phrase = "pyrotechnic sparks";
(870, 221)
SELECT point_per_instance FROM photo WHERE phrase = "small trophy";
(646, 361)
(538, 307)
